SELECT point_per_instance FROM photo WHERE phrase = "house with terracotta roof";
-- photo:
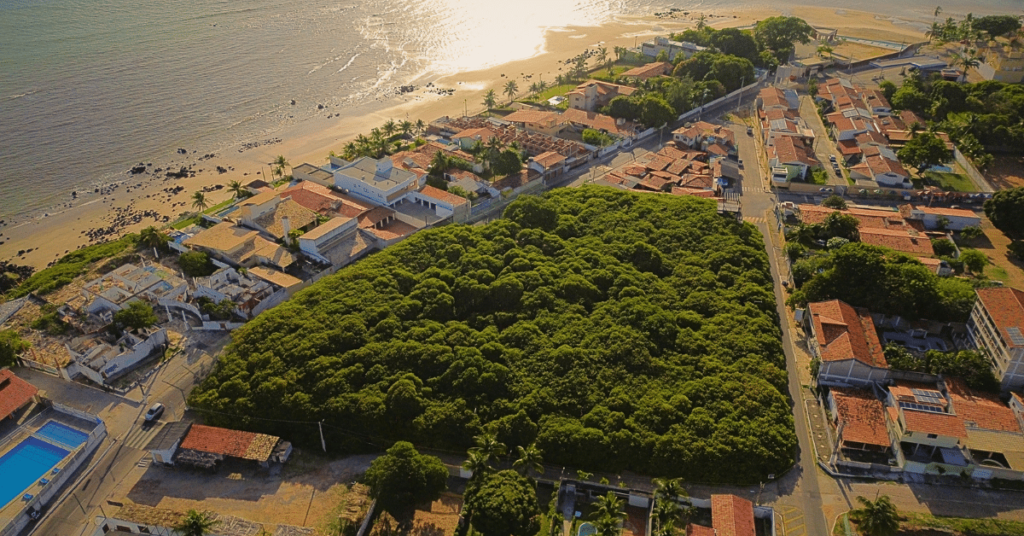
(550, 165)
(232, 245)
(859, 419)
(905, 240)
(881, 165)
(730, 516)
(844, 339)
(773, 98)
(650, 70)
(594, 94)
(921, 418)
(793, 156)
(950, 218)
(581, 119)
(469, 137)
(539, 121)
(274, 216)
(15, 394)
(702, 134)
(207, 446)
(995, 436)
(443, 204)
(996, 325)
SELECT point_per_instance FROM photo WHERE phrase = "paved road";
(72, 513)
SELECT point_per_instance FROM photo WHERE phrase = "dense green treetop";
(614, 330)
(1006, 210)
(403, 478)
(504, 504)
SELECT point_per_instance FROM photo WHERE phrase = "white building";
(995, 326)
(377, 181)
(443, 204)
(954, 219)
(672, 48)
(316, 242)
(129, 283)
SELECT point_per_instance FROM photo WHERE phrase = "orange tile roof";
(845, 332)
(593, 120)
(653, 183)
(313, 196)
(863, 416)
(704, 182)
(548, 159)
(530, 116)
(234, 443)
(981, 410)
(14, 393)
(939, 211)
(649, 71)
(696, 192)
(773, 96)
(787, 150)
(732, 515)
(942, 424)
(482, 134)
(898, 240)
(444, 196)
(1006, 307)
(880, 219)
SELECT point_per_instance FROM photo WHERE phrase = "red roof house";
(15, 393)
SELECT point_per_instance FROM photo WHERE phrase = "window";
(933, 436)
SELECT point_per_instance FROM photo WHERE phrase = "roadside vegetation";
(609, 329)
(70, 266)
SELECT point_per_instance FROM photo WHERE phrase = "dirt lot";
(1006, 171)
(993, 245)
(440, 519)
(308, 492)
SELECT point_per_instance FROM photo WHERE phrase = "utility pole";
(740, 101)
(322, 442)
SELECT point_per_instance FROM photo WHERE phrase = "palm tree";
(389, 128)
(607, 527)
(281, 163)
(935, 32)
(439, 164)
(511, 88)
(488, 444)
(825, 49)
(152, 237)
(530, 459)
(966, 61)
(405, 127)
(669, 488)
(490, 101)
(541, 84)
(938, 11)
(608, 513)
(420, 126)
(199, 201)
(878, 517)
(196, 524)
(478, 463)
(602, 56)
(237, 189)
(666, 515)
(701, 22)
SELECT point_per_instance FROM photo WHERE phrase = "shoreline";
(134, 202)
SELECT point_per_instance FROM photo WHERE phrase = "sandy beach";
(150, 199)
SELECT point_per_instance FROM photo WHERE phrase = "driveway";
(823, 145)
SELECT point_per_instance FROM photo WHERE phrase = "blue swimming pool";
(27, 462)
(64, 436)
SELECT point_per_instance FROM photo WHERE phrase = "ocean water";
(90, 87)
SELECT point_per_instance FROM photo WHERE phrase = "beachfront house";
(594, 94)
(537, 121)
(648, 71)
(652, 48)
(232, 245)
(275, 216)
(376, 181)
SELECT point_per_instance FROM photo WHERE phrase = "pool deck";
(13, 436)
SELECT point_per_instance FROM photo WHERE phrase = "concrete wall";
(850, 372)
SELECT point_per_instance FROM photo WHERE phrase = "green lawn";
(997, 273)
(950, 182)
(555, 91)
(181, 224)
(967, 526)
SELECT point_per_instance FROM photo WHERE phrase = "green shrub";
(196, 264)
(71, 266)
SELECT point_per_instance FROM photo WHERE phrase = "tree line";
(611, 330)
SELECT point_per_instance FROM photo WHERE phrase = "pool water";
(27, 462)
(62, 435)
(586, 529)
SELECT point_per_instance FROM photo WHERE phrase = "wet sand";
(143, 199)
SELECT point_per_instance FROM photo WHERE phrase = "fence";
(972, 172)
(49, 369)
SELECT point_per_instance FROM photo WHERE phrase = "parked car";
(826, 190)
(832, 158)
(750, 131)
(740, 162)
(154, 412)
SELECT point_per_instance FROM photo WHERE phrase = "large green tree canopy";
(616, 330)
(504, 504)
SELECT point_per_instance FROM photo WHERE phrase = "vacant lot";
(306, 493)
(950, 182)
(1006, 171)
